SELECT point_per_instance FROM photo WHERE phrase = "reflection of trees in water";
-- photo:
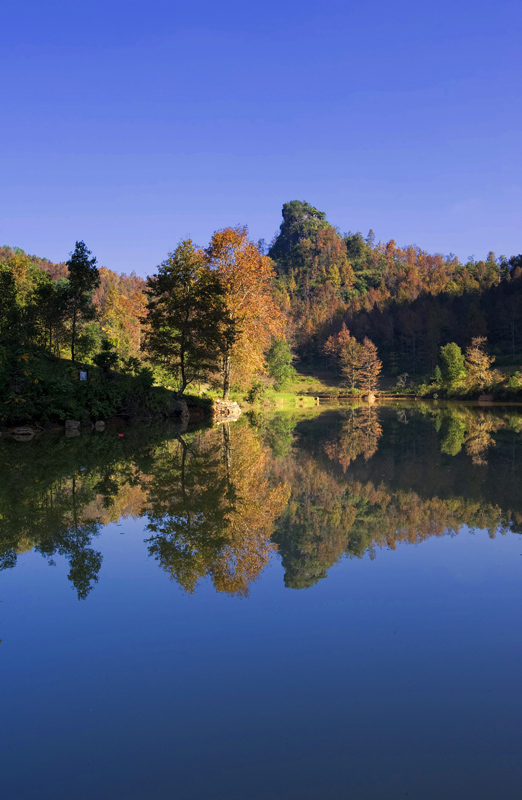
(215, 497)
(329, 516)
(459, 426)
(359, 435)
(212, 508)
(55, 496)
(479, 438)
(208, 495)
(469, 428)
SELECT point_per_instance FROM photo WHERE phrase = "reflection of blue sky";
(395, 675)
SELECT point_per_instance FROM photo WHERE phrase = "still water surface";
(315, 606)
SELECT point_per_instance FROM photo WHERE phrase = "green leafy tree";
(453, 366)
(52, 302)
(84, 278)
(279, 362)
(186, 316)
(107, 358)
(454, 436)
(9, 311)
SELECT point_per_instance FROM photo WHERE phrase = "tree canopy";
(187, 317)
(254, 317)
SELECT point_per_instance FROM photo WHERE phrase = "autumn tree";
(121, 304)
(479, 437)
(478, 364)
(351, 361)
(369, 367)
(254, 318)
(83, 280)
(187, 319)
(334, 345)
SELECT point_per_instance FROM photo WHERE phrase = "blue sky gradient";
(132, 125)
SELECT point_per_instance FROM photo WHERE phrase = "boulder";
(486, 398)
(99, 425)
(23, 430)
(370, 398)
(179, 409)
(23, 433)
(71, 424)
(225, 411)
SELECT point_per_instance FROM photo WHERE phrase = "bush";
(255, 392)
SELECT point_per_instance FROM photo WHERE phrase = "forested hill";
(408, 301)
(119, 301)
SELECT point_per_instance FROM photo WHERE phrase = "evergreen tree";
(84, 278)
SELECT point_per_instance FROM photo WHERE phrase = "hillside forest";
(237, 316)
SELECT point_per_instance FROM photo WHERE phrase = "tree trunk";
(227, 454)
(179, 393)
(226, 377)
(73, 336)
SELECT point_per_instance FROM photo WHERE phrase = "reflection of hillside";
(406, 489)
(346, 482)
(328, 516)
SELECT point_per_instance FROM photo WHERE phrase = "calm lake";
(313, 604)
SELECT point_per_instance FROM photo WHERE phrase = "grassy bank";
(285, 399)
(42, 390)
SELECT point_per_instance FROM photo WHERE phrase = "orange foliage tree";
(255, 318)
(369, 366)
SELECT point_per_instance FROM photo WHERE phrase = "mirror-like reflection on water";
(217, 502)
(193, 655)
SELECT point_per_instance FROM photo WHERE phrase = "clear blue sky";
(134, 124)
